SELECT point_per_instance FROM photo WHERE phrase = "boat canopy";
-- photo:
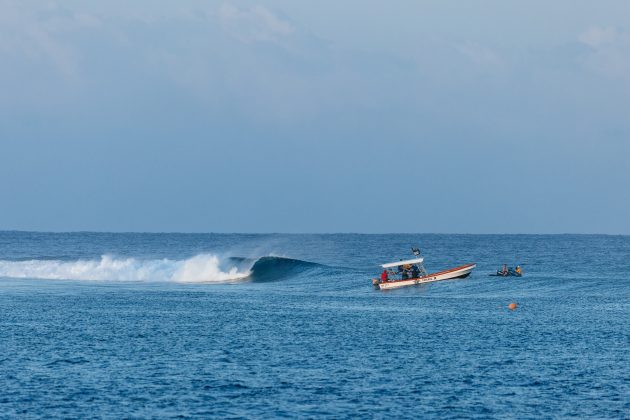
(396, 264)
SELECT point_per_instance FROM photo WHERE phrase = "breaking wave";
(203, 268)
(200, 268)
(267, 269)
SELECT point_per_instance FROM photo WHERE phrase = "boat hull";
(453, 273)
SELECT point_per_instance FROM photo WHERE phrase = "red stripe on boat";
(434, 274)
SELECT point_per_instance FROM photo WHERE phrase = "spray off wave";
(203, 268)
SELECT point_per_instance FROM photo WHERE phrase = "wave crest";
(198, 269)
(207, 268)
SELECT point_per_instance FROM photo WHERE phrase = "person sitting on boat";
(384, 276)
(401, 270)
(518, 271)
(414, 271)
(504, 271)
(407, 271)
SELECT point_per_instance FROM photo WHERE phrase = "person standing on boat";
(401, 271)
(384, 276)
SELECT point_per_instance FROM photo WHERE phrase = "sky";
(281, 116)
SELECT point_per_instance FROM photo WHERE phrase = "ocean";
(118, 325)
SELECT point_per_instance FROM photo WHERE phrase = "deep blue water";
(160, 325)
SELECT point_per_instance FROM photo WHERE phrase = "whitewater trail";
(201, 268)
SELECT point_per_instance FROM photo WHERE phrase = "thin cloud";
(256, 24)
(609, 53)
(597, 36)
(481, 55)
(37, 34)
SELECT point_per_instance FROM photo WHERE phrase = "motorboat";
(412, 272)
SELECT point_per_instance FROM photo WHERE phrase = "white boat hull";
(453, 273)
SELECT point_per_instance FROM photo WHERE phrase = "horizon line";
(302, 233)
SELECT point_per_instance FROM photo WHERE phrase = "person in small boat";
(503, 271)
(384, 276)
(414, 271)
(518, 271)
(401, 271)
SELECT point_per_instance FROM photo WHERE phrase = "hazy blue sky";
(321, 116)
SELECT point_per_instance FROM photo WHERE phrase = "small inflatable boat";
(509, 273)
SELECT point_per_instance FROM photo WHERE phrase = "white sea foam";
(206, 268)
(198, 269)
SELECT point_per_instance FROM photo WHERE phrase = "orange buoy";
(512, 306)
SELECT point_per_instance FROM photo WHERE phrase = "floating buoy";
(512, 306)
